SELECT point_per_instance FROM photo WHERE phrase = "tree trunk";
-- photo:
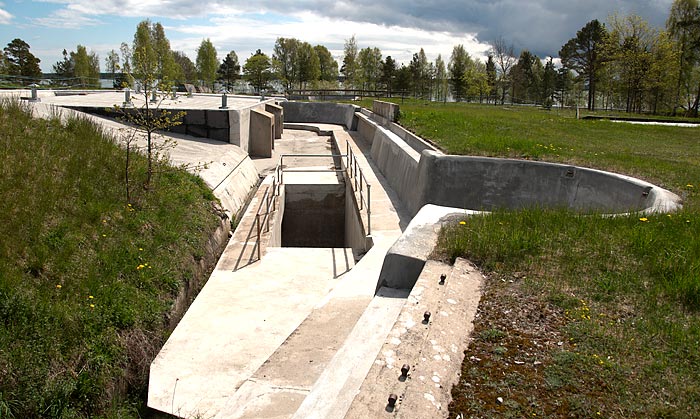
(591, 93)
(697, 102)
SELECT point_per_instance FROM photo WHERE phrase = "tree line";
(623, 64)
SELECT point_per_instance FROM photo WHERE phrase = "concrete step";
(433, 349)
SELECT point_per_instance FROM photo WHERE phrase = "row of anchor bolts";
(406, 368)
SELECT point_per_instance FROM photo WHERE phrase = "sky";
(398, 28)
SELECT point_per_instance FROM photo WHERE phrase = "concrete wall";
(397, 161)
(421, 175)
(481, 183)
(278, 113)
(355, 232)
(387, 110)
(262, 133)
(314, 215)
(276, 221)
(324, 113)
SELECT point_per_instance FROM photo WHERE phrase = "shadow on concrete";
(345, 251)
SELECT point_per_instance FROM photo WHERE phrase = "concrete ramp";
(236, 324)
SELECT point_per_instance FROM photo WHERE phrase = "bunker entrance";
(314, 215)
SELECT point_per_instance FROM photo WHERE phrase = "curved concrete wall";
(482, 183)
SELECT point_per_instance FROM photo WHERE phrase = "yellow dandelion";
(104, 235)
(463, 223)
(690, 185)
(92, 306)
(104, 221)
(58, 286)
(140, 249)
(90, 297)
(644, 219)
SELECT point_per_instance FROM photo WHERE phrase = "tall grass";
(86, 280)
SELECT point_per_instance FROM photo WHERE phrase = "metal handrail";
(269, 198)
(270, 202)
(353, 168)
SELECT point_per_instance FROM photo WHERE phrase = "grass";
(582, 315)
(87, 280)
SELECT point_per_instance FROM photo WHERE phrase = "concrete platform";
(107, 99)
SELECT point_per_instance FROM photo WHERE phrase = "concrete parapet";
(278, 112)
(325, 113)
(482, 183)
(396, 160)
(262, 126)
(388, 110)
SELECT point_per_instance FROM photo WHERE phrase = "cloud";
(400, 42)
(542, 26)
(5, 17)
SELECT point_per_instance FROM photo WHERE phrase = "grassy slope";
(85, 279)
(582, 316)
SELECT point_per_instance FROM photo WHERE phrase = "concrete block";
(278, 112)
(261, 133)
(405, 259)
(217, 119)
(195, 117)
(198, 131)
(220, 134)
(239, 126)
(179, 129)
(387, 110)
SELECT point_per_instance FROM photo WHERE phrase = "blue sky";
(398, 27)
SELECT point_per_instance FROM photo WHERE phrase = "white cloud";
(401, 43)
(65, 20)
(398, 27)
(5, 17)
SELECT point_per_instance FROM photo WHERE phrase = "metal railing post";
(257, 220)
(361, 176)
(369, 212)
(274, 190)
(267, 212)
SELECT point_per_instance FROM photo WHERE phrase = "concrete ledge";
(432, 349)
(405, 259)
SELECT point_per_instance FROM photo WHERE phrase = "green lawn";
(87, 279)
(582, 316)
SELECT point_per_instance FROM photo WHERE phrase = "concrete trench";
(320, 325)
